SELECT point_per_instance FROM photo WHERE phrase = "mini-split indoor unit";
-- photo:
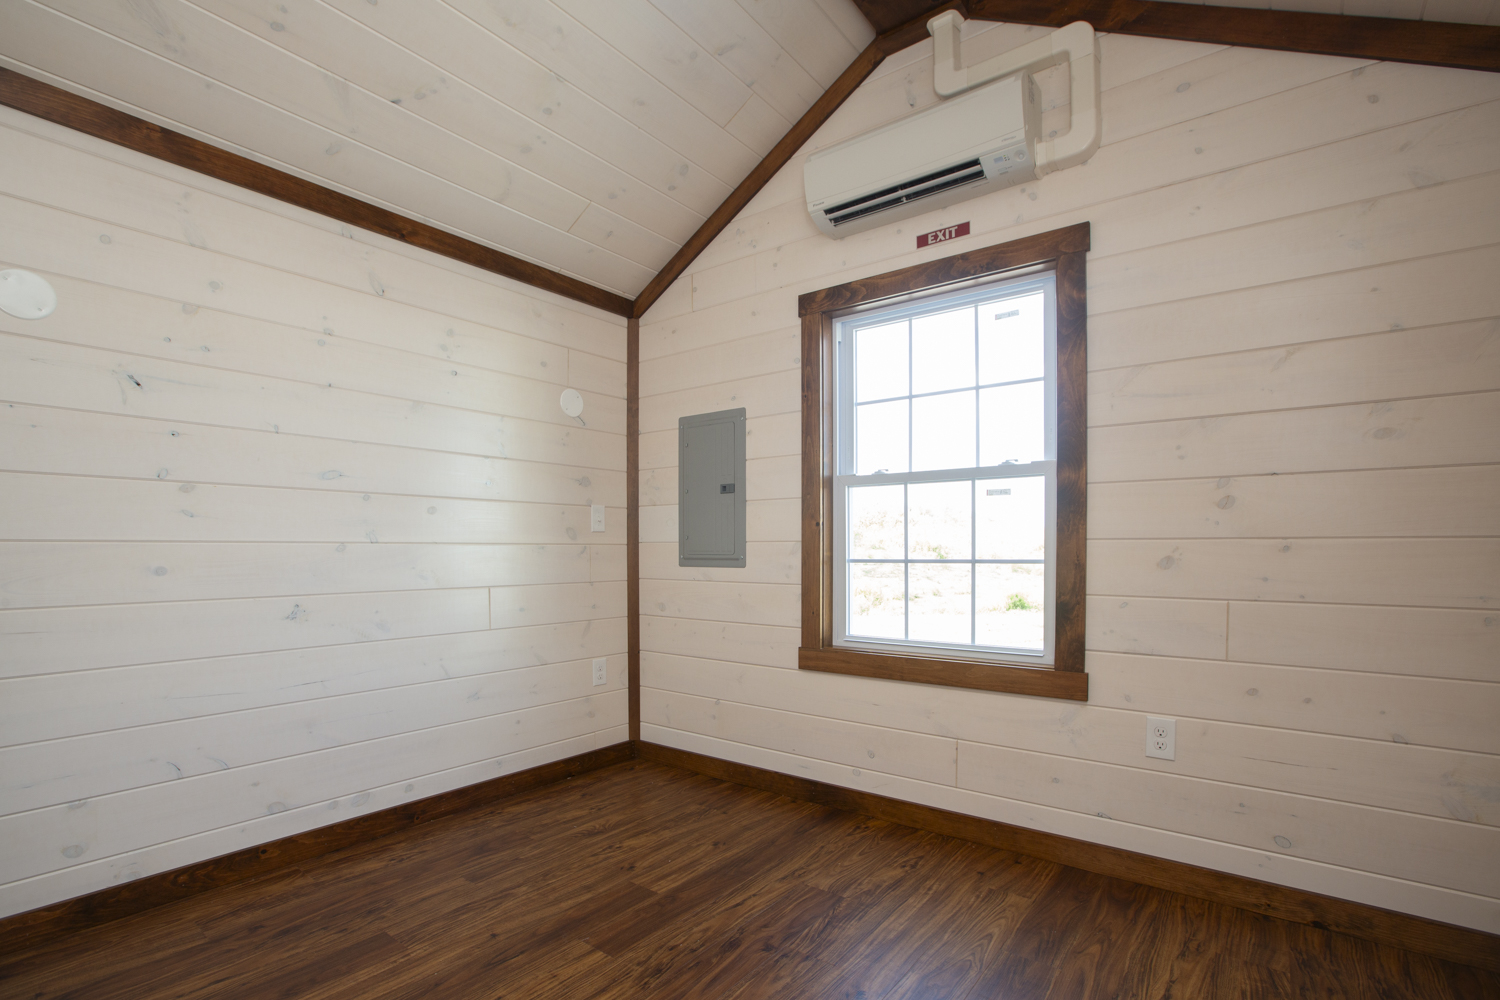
(983, 139)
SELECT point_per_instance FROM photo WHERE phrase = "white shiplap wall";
(1295, 358)
(292, 527)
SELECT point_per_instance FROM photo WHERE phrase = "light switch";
(596, 517)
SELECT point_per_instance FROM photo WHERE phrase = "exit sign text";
(940, 235)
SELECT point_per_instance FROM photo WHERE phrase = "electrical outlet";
(596, 517)
(600, 675)
(1161, 738)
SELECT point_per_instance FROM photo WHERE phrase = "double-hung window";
(944, 470)
(945, 494)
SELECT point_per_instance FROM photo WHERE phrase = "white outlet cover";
(601, 674)
(1161, 738)
(596, 517)
(26, 295)
(571, 402)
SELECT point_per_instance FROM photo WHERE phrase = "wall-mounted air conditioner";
(982, 140)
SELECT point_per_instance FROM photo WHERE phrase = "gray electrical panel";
(711, 489)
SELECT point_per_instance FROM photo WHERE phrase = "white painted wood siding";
(1294, 344)
(292, 527)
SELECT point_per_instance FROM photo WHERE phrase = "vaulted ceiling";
(592, 137)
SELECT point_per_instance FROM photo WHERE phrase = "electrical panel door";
(711, 489)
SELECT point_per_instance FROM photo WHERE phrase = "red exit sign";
(942, 235)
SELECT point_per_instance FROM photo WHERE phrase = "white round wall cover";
(571, 402)
(26, 295)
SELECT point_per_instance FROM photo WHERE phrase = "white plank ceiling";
(589, 136)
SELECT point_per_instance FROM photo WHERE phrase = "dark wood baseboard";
(101, 907)
(1445, 941)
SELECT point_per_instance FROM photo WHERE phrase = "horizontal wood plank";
(46, 706)
(45, 373)
(56, 640)
(89, 509)
(1415, 711)
(1378, 367)
(764, 644)
(1410, 433)
(44, 439)
(56, 574)
(1158, 627)
(113, 760)
(1426, 572)
(1427, 642)
(880, 748)
(1411, 503)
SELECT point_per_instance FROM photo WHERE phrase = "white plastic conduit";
(1073, 44)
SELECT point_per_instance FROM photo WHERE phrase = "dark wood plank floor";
(644, 880)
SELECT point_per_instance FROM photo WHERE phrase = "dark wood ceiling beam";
(101, 121)
(823, 108)
(884, 15)
(1431, 43)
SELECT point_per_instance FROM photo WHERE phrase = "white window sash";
(844, 478)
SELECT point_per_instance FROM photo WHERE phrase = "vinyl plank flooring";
(646, 880)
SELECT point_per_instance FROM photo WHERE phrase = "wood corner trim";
(105, 905)
(1431, 43)
(885, 15)
(633, 523)
(979, 675)
(1401, 930)
(104, 122)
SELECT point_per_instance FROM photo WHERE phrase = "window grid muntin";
(845, 456)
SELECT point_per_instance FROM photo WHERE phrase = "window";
(945, 487)
(944, 471)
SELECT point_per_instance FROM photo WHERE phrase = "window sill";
(1040, 682)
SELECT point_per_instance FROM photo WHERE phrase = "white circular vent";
(571, 402)
(26, 295)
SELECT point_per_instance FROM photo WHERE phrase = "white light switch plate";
(600, 674)
(596, 517)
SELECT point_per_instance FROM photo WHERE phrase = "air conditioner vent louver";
(901, 194)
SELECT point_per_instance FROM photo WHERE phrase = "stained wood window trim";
(1063, 252)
